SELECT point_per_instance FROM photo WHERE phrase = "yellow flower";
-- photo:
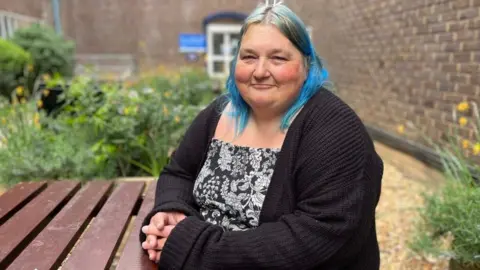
(36, 119)
(463, 121)
(46, 92)
(175, 78)
(177, 119)
(463, 106)
(19, 90)
(46, 77)
(401, 129)
(40, 103)
(476, 149)
(167, 94)
(165, 110)
(465, 144)
(4, 120)
(126, 111)
(23, 100)
(127, 84)
(4, 140)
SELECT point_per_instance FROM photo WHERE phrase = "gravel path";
(404, 180)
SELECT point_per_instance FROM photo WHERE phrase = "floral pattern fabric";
(232, 184)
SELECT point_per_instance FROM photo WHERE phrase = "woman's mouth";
(262, 86)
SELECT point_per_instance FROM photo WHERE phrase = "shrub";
(103, 129)
(51, 53)
(450, 221)
(29, 151)
(13, 62)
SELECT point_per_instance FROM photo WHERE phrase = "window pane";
(8, 23)
(234, 39)
(1, 27)
(218, 43)
(218, 67)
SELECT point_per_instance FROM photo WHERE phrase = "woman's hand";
(161, 224)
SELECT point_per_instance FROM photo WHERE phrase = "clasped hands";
(157, 232)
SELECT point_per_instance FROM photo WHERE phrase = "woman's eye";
(279, 58)
(248, 57)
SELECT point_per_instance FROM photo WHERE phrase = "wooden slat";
(51, 246)
(16, 197)
(16, 232)
(133, 256)
(96, 249)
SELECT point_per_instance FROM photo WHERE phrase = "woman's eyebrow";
(273, 51)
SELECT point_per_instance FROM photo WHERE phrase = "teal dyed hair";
(294, 29)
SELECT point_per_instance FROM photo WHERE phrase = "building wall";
(25, 7)
(409, 60)
(148, 29)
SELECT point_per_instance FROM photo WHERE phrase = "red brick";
(472, 68)
(462, 57)
(468, 13)
(456, 26)
(438, 28)
(472, 46)
(449, 67)
(458, 4)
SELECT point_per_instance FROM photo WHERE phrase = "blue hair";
(294, 29)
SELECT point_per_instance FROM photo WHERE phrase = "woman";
(278, 174)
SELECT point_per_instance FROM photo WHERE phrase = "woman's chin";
(261, 102)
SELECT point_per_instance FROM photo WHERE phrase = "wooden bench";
(67, 225)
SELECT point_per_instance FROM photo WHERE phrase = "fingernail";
(144, 229)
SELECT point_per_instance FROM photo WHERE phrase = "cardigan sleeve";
(334, 214)
(174, 190)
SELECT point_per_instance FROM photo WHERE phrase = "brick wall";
(395, 61)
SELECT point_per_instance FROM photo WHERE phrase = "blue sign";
(192, 43)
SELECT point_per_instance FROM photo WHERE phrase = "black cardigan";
(319, 211)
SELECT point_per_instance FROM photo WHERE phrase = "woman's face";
(270, 71)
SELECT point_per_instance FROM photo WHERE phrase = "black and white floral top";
(232, 184)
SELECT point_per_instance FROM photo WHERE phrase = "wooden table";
(69, 225)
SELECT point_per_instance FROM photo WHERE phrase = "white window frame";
(226, 29)
(3, 27)
(227, 57)
(9, 22)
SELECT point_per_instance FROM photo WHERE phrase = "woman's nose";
(261, 70)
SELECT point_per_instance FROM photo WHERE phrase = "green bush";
(449, 226)
(13, 64)
(137, 125)
(104, 129)
(51, 53)
(29, 151)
